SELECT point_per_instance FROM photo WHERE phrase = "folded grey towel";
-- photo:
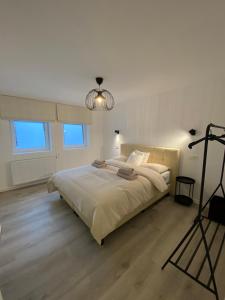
(128, 177)
(99, 162)
(126, 171)
(99, 165)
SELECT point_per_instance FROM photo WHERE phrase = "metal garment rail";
(201, 226)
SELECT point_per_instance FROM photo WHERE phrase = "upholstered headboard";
(167, 156)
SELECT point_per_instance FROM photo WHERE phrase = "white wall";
(160, 120)
(65, 158)
(165, 119)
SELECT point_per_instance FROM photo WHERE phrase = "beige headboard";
(167, 156)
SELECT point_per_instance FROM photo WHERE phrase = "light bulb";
(99, 98)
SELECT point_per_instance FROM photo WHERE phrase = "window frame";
(47, 133)
(85, 137)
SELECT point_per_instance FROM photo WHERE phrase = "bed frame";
(167, 156)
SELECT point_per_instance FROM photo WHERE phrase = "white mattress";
(166, 176)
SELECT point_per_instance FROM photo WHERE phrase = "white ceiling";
(53, 49)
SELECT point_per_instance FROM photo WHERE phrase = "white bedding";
(102, 198)
(166, 176)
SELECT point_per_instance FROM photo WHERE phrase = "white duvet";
(101, 197)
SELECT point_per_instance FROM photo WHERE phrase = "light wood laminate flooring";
(46, 252)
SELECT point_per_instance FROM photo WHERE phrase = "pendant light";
(99, 99)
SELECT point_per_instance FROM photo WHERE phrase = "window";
(30, 136)
(74, 135)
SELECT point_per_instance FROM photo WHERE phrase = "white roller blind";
(73, 114)
(15, 108)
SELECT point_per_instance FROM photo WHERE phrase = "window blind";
(73, 114)
(16, 108)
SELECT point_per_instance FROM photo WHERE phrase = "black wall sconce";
(117, 131)
(193, 131)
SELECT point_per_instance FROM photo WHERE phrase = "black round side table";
(184, 199)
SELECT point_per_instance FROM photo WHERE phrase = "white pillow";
(121, 158)
(136, 158)
(146, 155)
(156, 167)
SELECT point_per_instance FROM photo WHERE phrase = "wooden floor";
(46, 252)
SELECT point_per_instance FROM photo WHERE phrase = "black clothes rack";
(204, 232)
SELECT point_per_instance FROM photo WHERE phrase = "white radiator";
(29, 170)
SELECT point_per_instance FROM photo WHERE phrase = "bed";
(105, 201)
